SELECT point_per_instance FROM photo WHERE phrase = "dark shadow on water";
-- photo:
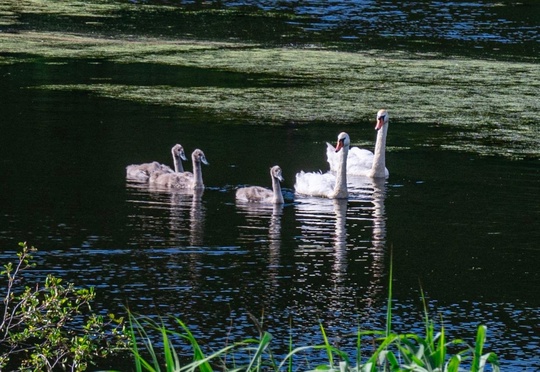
(102, 71)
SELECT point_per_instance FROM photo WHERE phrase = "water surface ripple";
(476, 21)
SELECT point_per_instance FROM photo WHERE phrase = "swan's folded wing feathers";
(175, 180)
(314, 183)
(182, 180)
(143, 171)
(359, 161)
(254, 194)
(332, 157)
(360, 153)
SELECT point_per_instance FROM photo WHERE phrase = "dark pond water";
(491, 26)
(464, 226)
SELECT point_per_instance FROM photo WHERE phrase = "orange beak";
(339, 145)
(380, 123)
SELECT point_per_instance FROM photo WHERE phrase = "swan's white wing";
(255, 194)
(360, 154)
(315, 184)
(359, 161)
(332, 157)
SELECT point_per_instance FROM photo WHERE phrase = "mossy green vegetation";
(45, 326)
(489, 107)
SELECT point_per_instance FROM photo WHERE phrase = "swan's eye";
(381, 117)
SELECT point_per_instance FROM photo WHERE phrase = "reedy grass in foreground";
(394, 352)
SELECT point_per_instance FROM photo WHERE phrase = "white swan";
(258, 194)
(363, 162)
(184, 180)
(327, 185)
(142, 172)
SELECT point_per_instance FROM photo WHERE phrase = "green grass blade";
(358, 346)
(389, 303)
(196, 364)
(295, 351)
(427, 323)
(290, 365)
(439, 355)
(385, 343)
(198, 354)
(171, 357)
(453, 364)
(166, 349)
(391, 358)
(134, 347)
(327, 345)
(136, 328)
(265, 341)
(153, 354)
(478, 348)
(493, 360)
(412, 355)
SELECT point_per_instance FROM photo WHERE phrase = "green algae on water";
(490, 107)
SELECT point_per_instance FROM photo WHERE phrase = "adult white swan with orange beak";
(327, 185)
(362, 162)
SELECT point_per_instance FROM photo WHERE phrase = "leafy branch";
(52, 325)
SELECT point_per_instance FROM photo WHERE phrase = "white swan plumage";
(183, 180)
(363, 162)
(142, 172)
(258, 194)
(327, 185)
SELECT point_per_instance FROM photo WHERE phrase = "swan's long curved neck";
(197, 175)
(378, 168)
(276, 187)
(340, 188)
(178, 167)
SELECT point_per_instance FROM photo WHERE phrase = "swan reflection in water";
(341, 246)
(370, 194)
(166, 217)
(263, 220)
(323, 232)
(168, 226)
(196, 217)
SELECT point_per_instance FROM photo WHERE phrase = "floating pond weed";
(494, 102)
